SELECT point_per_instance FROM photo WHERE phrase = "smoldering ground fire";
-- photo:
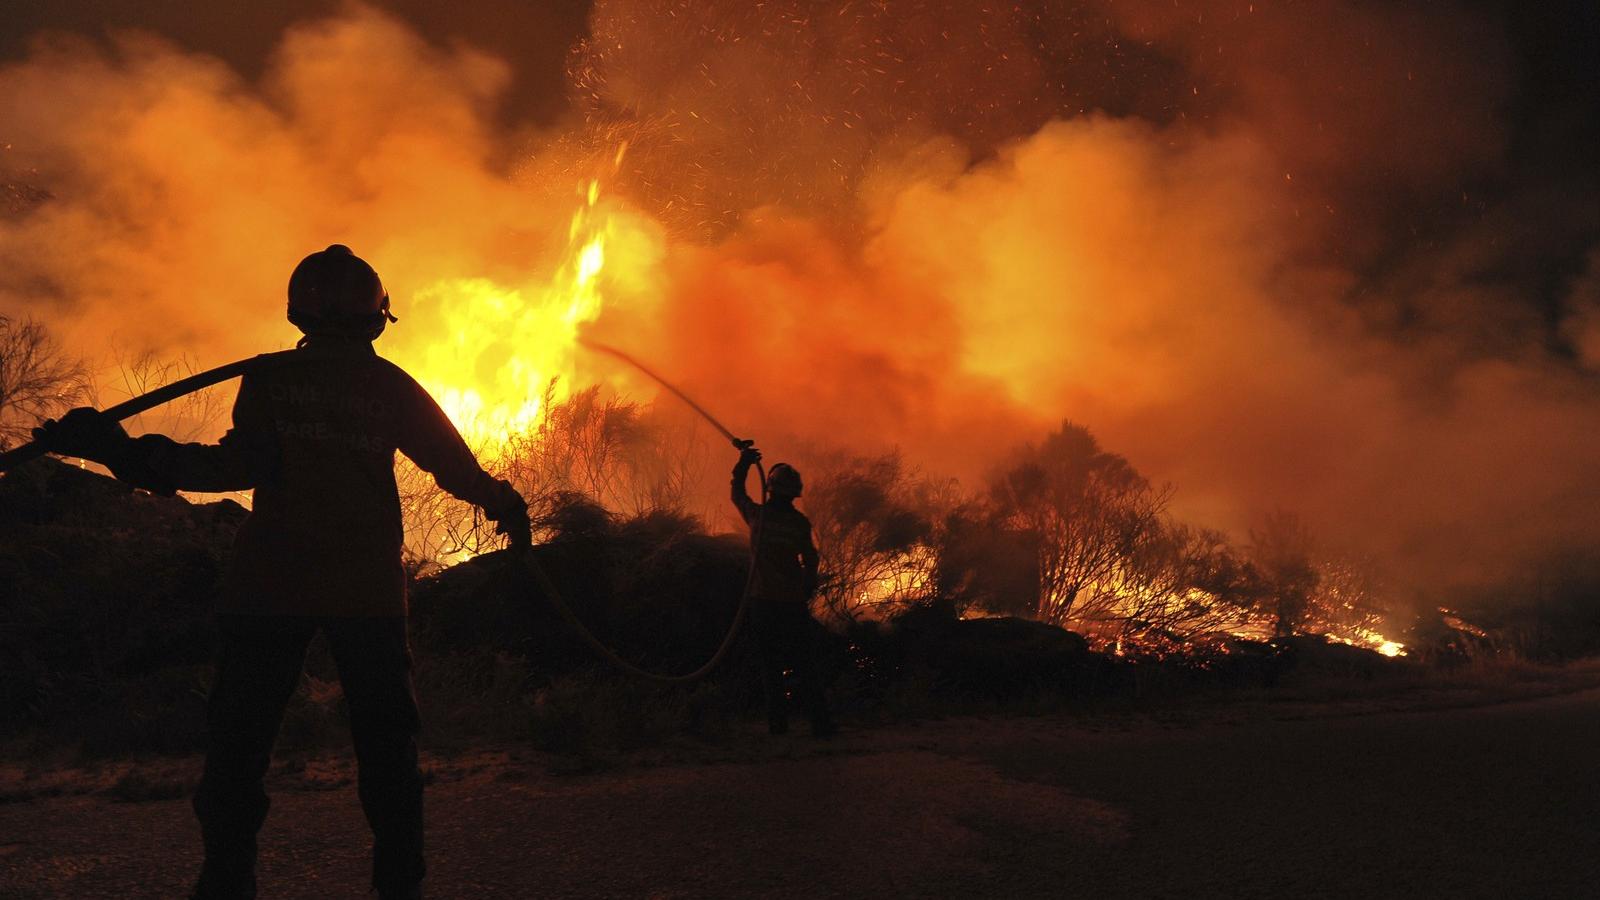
(1250, 271)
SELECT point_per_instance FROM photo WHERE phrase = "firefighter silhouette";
(320, 551)
(780, 595)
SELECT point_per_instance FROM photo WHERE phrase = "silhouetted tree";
(1183, 582)
(191, 417)
(1281, 549)
(1089, 509)
(1347, 600)
(873, 523)
(981, 562)
(37, 379)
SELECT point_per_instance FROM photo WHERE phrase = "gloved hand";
(749, 455)
(511, 518)
(519, 534)
(86, 433)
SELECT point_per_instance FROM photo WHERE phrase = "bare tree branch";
(37, 379)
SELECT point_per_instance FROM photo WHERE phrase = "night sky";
(1543, 194)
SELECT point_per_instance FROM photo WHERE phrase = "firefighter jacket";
(315, 438)
(786, 561)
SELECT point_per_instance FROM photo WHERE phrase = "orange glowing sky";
(1277, 255)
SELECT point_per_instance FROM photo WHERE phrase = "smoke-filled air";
(1251, 271)
(799, 448)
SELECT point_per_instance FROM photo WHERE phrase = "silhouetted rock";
(102, 588)
(1316, 655)
(1000, 657)
(653, 589)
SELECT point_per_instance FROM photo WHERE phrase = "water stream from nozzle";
(612, 351)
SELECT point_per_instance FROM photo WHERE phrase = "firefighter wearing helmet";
(785, 579)
(320, 551)
(335, 292)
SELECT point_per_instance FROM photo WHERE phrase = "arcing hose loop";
(564, 610)
(553, 595)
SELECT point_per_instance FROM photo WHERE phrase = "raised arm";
(748, 509)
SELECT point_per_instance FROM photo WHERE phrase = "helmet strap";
(364, 327)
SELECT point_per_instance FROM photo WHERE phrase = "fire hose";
(18, 455)
(553, 594)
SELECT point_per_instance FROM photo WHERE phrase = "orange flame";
(507, 349)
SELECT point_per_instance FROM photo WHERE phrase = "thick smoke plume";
(1231, 240)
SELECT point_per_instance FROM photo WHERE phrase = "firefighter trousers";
(787, 639)
(258, 669)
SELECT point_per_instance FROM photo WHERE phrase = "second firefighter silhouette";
(780, 596)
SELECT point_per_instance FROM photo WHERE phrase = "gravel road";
(1497, 801)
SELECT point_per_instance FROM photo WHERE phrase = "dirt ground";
(1484, 801)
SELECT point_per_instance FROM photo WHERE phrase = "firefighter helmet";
(333, 291)
(783, 480)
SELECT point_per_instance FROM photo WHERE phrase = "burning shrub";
(873, 522)
(1089, 511)
(620, 456)
(1176, 581)
(1281, 550)
(984, 566)
(1300, 590)
(1551, 612)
